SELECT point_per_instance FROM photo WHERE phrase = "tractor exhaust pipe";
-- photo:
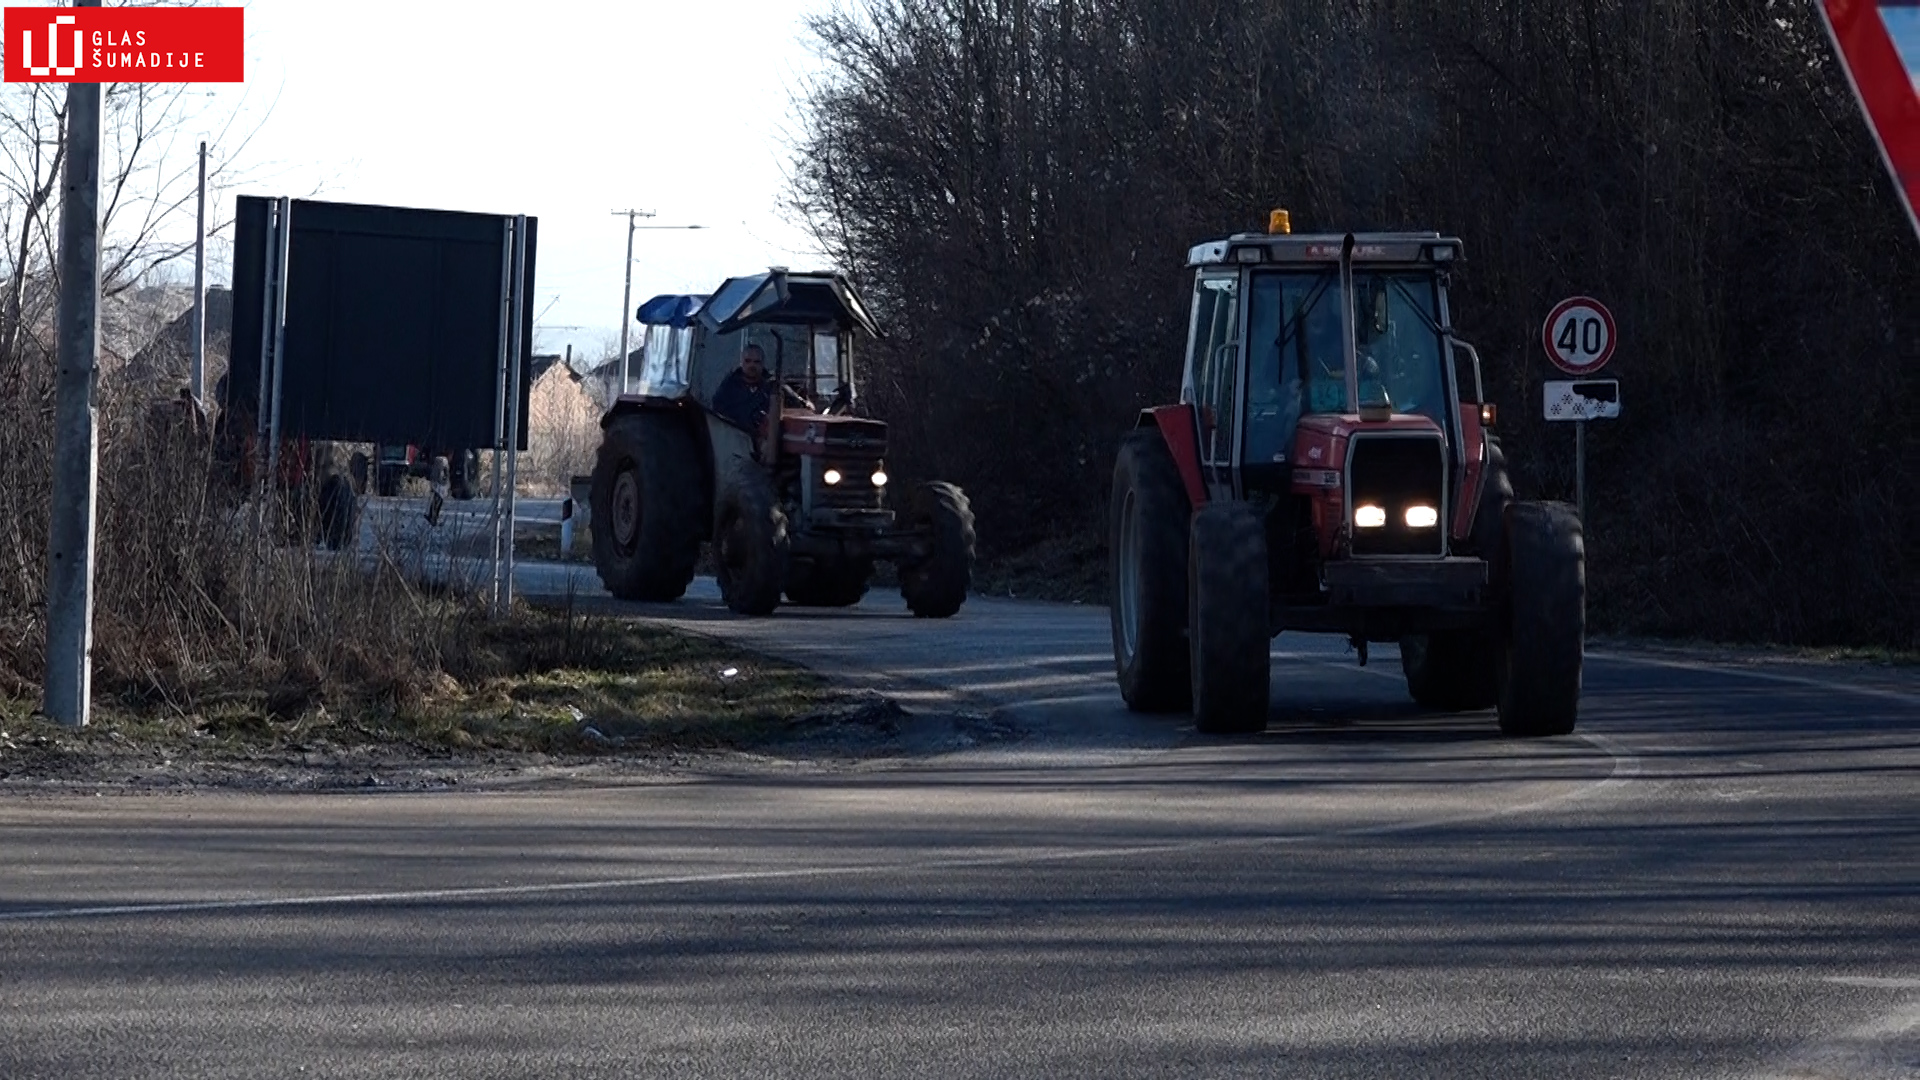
(1347, 325)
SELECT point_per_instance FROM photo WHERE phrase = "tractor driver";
(746, 393)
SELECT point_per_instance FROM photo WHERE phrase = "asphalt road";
(1719, 877)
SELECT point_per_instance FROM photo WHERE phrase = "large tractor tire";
(339, 514)
(1228, 634)
(360, 467)
(935, 586)
(1148, 576)
(751, 546)
(829, 582)
(646, 507)
(1459, 670)
(1546, 639)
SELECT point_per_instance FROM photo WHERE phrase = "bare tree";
(1015, 182)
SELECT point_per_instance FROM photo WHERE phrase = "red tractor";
(1331, 468)
(793, 497)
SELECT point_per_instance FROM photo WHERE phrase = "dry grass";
(215, 619)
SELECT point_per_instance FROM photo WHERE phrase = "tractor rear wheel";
(751, 546)
(1228, 633)
(936, 586)
(1148, 574)
(646, 512)
(1546, 639)
(828, 582)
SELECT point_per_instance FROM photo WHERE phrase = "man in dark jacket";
(746, 393)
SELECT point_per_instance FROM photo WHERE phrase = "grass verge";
(541, 683)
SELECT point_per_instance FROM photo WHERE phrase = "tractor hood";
(779, 296)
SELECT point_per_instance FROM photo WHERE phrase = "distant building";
(163, 363)
(603, 381)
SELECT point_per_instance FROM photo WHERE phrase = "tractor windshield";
(1298, 360)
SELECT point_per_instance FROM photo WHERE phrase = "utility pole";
(199, 379)
(69, 689)
(626, 295)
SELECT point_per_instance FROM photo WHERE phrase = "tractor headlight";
(1370, 517)
(879, 478)
(1422, 517)
(831, 476)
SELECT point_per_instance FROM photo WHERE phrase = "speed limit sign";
(1580, 336)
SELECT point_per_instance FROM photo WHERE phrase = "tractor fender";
(1180, 426)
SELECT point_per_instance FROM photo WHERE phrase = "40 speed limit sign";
(1580, 335)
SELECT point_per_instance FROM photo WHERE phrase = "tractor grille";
(1395, 474)
(855, 491)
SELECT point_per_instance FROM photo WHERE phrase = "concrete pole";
(626, 295)
(69, 688)
(199, 380)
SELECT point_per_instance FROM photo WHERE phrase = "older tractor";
(1327, 471)
(794, 502)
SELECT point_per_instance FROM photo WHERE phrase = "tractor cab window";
(1397, 332)
(1296, 364)
(663, 366)
(829, 372)
(1298, 361)
(1215, 351)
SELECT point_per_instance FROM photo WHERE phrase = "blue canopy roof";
(670, 309)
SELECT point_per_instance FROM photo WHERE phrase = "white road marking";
(1836, 686)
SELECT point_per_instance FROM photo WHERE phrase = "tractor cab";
(1325, 334)
(804, 324)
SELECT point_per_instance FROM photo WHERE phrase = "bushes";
(199, 600)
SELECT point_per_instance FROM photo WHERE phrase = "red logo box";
(125, 45)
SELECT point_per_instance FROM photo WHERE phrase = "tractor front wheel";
(751, 546)
(1545, 643)
(646, 509)
(1148, 574)
(1228, 633)
(936, 585)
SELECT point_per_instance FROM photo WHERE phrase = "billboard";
(393, 322)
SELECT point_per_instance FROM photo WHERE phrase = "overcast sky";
(564, 112)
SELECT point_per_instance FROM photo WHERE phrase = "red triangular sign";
(1879, 44)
